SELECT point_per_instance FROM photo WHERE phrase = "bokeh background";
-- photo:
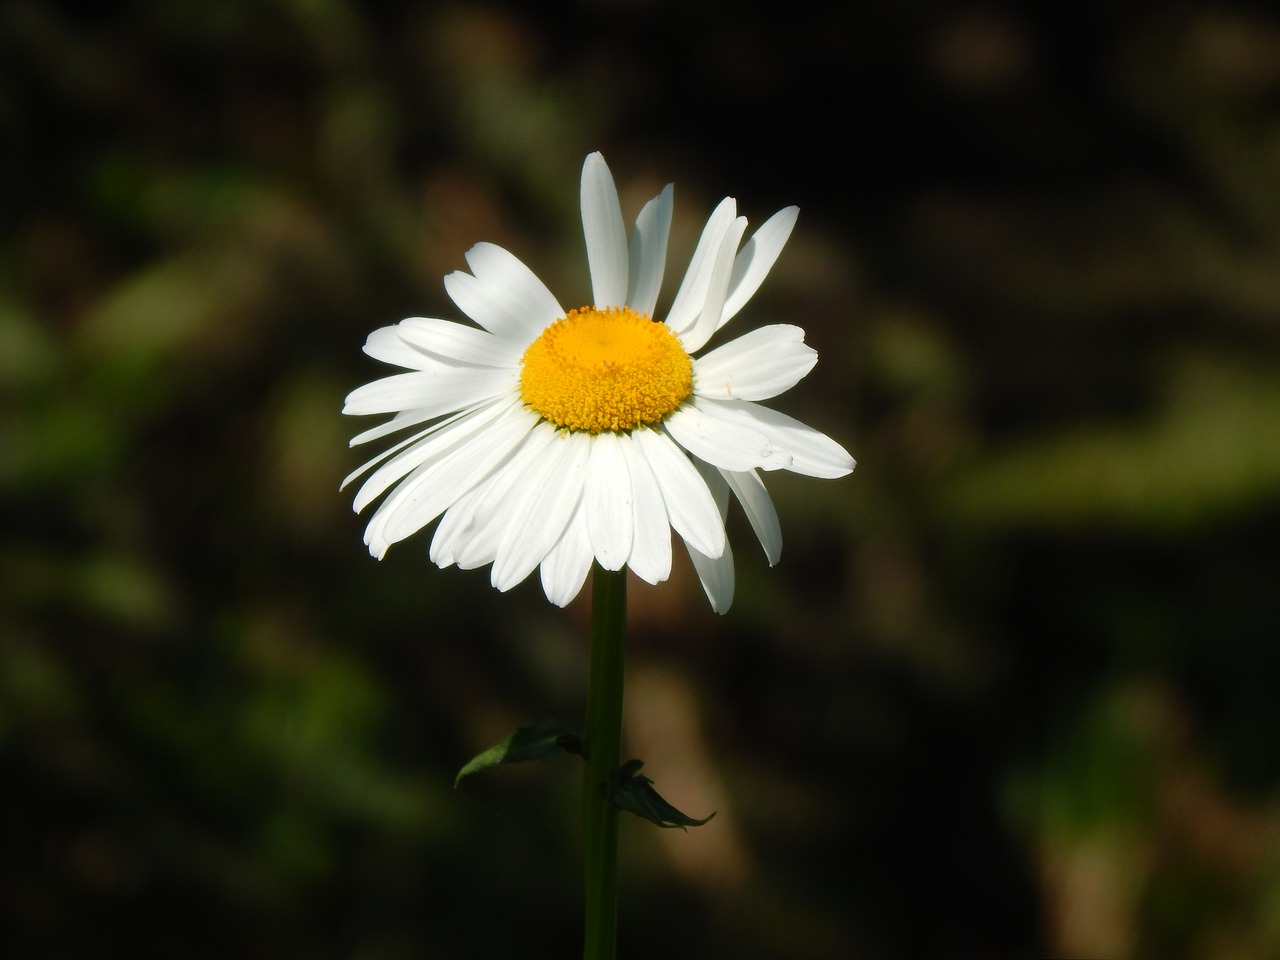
(1012, 690)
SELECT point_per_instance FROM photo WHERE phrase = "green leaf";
(540, 741)
(633, 792)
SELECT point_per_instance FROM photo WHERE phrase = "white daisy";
(550, 438)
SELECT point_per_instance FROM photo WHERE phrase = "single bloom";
(547, 438)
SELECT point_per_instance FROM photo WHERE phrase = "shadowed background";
(1011, 690)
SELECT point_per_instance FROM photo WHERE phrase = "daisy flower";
(547, 438)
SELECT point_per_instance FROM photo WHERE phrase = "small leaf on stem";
(540, 741)
(633, 792)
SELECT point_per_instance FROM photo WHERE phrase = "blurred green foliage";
(1011, 690)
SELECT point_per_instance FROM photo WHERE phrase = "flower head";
(546, 438)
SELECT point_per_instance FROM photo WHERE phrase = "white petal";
(689, 505)
(692, 295)
(756, 366)
(607, 500)
(494, 515)
(757, 258)
(756, 503)
(696, 336)
(422, 343)
(401, 421)
(650, 558)
(434, 443)
(398, 424)
(565, 568)
(438, 483)
(697, 426)
(715, 573)
(457, 341)
(813, 454)
(386, 346)
(605, 234)
(440, 390)
(648, 252)
(458, 522)
(716, 576)
(549, 494)
(504, 296)
(717, 486)
(385, 454)
(470, 530)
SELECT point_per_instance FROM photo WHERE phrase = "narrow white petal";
(436, 443)
(716, 485)
(692, 295)
(503, 296)
(438, 483)
(608, 502)
(384, 455)
(715, 573)
(549, 494)
(696, 336)
(648, 252)
(730, 445)
(457, 341)
(565, 568)
(401, 421)
(756, 259)
(716, 576)
(441, 390)
(605, 233)
(495, 515)
(813, 453)
(458, 523)
(758, 506)
(690, 508)
(650, 558)
(470, 530)
(398, 424)
(756, 366)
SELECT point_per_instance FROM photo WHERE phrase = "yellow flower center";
(610, 369)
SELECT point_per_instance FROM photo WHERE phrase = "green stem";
(603, 740)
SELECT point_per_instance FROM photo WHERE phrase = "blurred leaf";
(540, 741)
(1212, 450)
(29, 352)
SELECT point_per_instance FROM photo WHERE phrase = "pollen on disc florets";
(605, 369)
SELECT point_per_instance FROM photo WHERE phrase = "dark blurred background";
(1012, 690)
